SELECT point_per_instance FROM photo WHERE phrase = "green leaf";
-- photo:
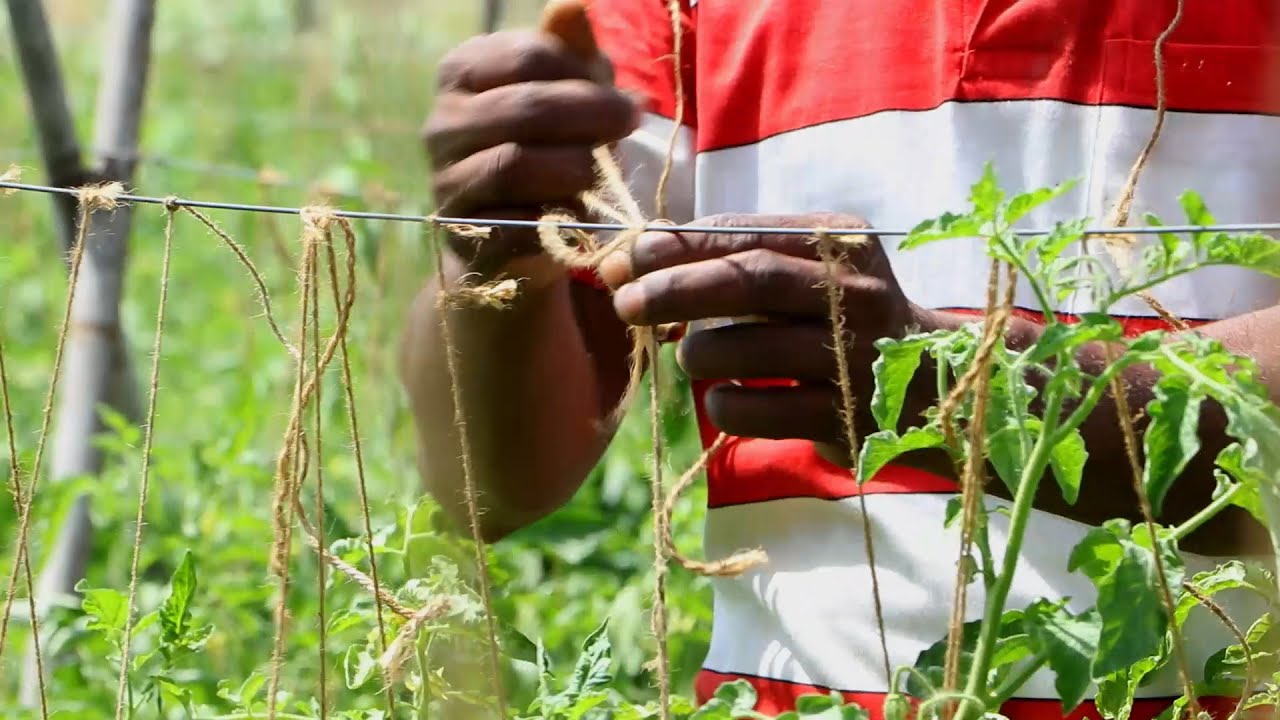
(827, 707)
(592, 670)
(948, 226)
(515, 644)
(1012, 645)
(881, 448)
(1133, 618)
(986, 194)
(1171, 439)
(1067, 460)
(1247, 497)
(176, 610)
(893, 370)
(358, 665)
(1100, 551)
(1019, 205)
(739, 695)
(107, 608)
(1004, 449)
(1059, 337)
(1070, 642)
(1114, 698)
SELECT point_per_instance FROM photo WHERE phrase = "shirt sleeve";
(638, 38)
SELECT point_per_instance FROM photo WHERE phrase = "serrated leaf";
(986, 194)
(881, 448)
(947, 226)
(1067, 461)
(893, 371)
(1114, 698)
(1171, 440)
(358, 666)
(1059, 337)
(107, 608)
(592, 671)
(739, 695)
(1070, 642)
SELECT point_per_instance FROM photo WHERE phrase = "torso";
(888, 110)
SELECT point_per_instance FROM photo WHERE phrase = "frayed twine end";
(474, 232)
(12, 175)
(498, 295)
(732, 566)
(101, 197)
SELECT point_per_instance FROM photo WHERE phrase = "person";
(845, 114)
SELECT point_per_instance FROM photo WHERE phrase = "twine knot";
(101, 197)
(171, 203)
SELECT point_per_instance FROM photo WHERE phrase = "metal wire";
(614, 227)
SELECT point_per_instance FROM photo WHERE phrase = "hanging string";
(468, 472)
(732, 566)
(348, 389)
(147, 443)
(319, 532)
(20, 506)
(91, 198)
(1119, 217)
(973, 477)
(839, 336)
(287, 466)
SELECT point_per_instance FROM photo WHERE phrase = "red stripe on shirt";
(774, 67)
(777, 696)
(636, 36)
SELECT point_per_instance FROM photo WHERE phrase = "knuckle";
(501, 165)
(453, 68)
(761, 267)
(531, 57)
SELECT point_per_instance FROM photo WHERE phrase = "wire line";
(616, 227)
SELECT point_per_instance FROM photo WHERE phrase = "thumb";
(568, 21)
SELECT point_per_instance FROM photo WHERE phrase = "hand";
(512, 130)
(682, 277)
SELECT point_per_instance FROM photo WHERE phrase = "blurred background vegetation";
(236, 89)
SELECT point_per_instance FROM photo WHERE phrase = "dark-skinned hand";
(673, 276)
(511, 133)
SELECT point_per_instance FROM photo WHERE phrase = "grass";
(338, 109)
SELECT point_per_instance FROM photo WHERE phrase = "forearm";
(535, 393)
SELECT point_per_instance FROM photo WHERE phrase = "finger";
(662, 249)
(489, 61)
(755, 282)
(569, 112)
(808, 412)
(515, 175)
(768, 350)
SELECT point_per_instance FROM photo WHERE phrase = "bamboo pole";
(95, 371)
(46, 94)
(492, 15)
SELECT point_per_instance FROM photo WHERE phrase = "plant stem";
(1023, 502)
(1018, 261)
(1200, 518)
(1017, 680)
(1091, 398)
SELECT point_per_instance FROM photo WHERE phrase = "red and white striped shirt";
(888, 109)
